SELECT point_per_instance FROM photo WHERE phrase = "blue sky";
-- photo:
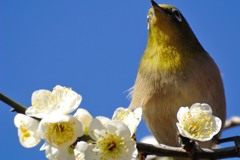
(95, 47)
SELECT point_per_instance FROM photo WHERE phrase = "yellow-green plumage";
(174, 71)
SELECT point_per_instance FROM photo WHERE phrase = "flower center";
(60, 133)
(25, 133)
(111, 146)
(122, 115)
(198, 125)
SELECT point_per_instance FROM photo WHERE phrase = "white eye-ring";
(177, 14)
(149, 17)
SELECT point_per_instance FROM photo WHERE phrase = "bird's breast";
(161, 93)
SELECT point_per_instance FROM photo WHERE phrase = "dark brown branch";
(168, 151)
(16, 107)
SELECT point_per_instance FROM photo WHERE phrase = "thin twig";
(16, 106)
(232, 122)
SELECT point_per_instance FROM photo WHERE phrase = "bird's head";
(171, 42)
(166, 22)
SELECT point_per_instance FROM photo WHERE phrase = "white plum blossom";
(85, 118)
(198, 123)
(61, 100)
(60, 130)
(112, 140)
(104, 138)
(128, 117)
(27, 130)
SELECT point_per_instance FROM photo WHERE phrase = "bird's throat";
(168, 53)
(163, 58)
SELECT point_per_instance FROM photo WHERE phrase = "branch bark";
(168, 151)
(16, 107)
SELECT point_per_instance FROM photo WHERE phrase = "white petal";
(92, 154)
(103, 120)
(117, 111)
(80, 149)
(198, 107)
(41, 96)
(138, 113)
(85, 118)
(181, 129)
(81, 146)
(217, 124)
(68, 100)
(120, 128)
(131, 119)
(131, 145)
(61, 100)
(58, 153)
(41, 101)
(31, 111)
(27, 130)
(181, 112)
(183, 132)
(95, 127)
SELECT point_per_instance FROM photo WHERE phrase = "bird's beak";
(156, 7)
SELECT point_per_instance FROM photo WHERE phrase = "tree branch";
(232, 122)
(16, 107)
(168, 151)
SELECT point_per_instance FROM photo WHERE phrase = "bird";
(175, 70)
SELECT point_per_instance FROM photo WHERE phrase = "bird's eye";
(176, 14)
(149, 17)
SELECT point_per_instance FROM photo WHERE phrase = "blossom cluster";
(78, 136)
